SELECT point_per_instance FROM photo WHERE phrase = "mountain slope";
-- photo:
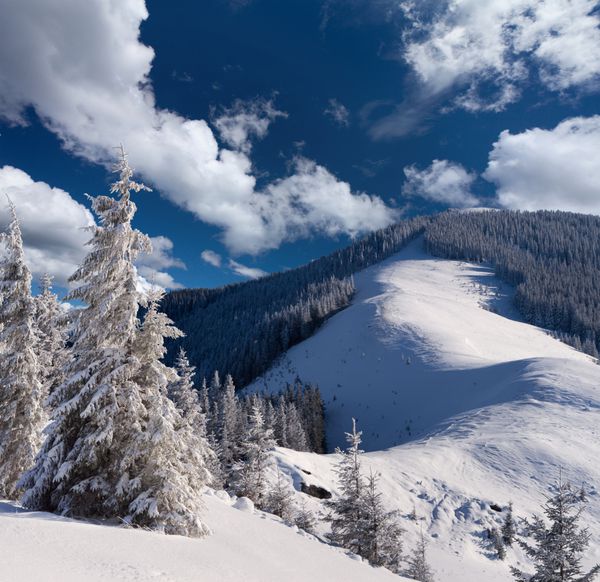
(485, 408)
(244, 546)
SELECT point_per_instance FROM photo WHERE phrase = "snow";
(461, 406)
(244, 546)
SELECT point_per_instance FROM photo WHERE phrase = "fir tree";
(296, 436)
(228, 423)
(305, 519)
(418, 566)
(280, 499)
(497, 543)
(250, 472)
(170, 473)
(52, 326)
(508, 527)
(559, 546)
(347, 511)
(21, 393)
(381, 533)
(97, 410)
(185, 397)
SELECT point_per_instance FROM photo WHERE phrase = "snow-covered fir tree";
(21, 393)
(497, 543)
(296, 436)
(185, 396)
(418, 566)
(52, 325)
(380, 530)
(279, 500)
(346, 515)
(249, 474)
(228, 423)
(304, 518)
(559, 545)
(171, 471)
(280, 425)
(97, 411)
(508, 527)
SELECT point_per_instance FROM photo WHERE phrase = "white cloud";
(211, 258)
(338, 113)
(152, 278)
(54, 231)
(152, 267)
(313, 200)
(555, 169)
(489, 47)
(51, 221)
(245, 120)
(443, 182)
(244, 271)
(82, 68)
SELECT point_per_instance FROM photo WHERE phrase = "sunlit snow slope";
(461, 407)
(245, 547)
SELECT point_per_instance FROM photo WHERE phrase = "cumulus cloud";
(211, 258)
(52, 223)
(152, 267)
(474, 43)
(82, 68)
(338, 113)
(477, 55)
(55, 232)
(443, 182)
(244, 120)
(313, 200)
(555, 168)
(244, 271)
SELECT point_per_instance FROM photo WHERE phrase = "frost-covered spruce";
(347, 510)
(418, 566)
(170, 472)
(249, 474)
(280, 499)
(52, 325)
(559, 546)
(508, 527)
(304, 518)
(21, 394)
(188, 403)
(228, 425)
(296, 435)
(184, 395)
(381, 533)
(97, 410)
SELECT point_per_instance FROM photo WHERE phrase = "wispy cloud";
(244, 271)
(338, 113)
(211, 258)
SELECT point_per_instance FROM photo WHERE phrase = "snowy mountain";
(462, 405)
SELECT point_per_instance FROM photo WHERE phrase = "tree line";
(243, 328)
(551, 257)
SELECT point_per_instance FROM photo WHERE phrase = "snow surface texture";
(478, 407)
(245, 546)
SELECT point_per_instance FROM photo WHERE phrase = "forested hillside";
(553, 259)
(241, 329)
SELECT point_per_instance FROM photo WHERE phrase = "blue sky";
(274, 131)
